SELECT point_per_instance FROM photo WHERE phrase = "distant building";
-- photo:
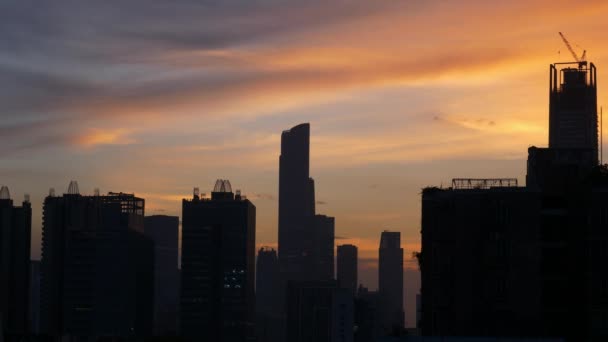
(34, 297)
(319, 311)
(268, 311)
(97, 267)
(323, 247)
(164, 231)
(15, 236)
(499, 259)
(296, 205)
(367, 315)
(390, 281)
(347, 267)
(218, 266)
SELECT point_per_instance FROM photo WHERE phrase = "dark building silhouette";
(218, 266)
(97, 267)
(164, 231)
(390, 281)
(323, 247)
(268, 319)
(34, 297)
(296, 204)
(319, 311)
(368, 325)
(15, 235)
(504, 260)
(347, 267)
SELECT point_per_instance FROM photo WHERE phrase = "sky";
(156, 97)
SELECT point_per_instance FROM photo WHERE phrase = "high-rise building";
(34, 297)
(323, 247)
(97, 267)
(390, 281)
(367, 315)
(296, 204)
(15, 235)
(347, 267)
(218, 266)
(500, 259)
(164, 231)
(319, 311)
(573, 108)
(268, 312)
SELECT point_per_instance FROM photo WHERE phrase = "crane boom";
(569, 47)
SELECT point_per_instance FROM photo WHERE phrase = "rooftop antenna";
(4, 193)
(26, 198)
(96, 192)
(73, 188)
(51, 192)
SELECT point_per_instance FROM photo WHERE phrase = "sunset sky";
(156, 97)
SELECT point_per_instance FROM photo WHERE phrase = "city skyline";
(372, 86)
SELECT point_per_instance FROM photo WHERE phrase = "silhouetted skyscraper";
(503, 260)
(97, 267)
(34, 296)
(164, 231)
(573, 108)
(268, 311)
(296, 203)
(319, 311)
(15, 235)
(347, 267)
(323, 247)
(390, 281)
(218, 266)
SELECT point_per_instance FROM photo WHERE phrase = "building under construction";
(500, 259)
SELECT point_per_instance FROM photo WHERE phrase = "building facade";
(217, 300)
(347, 267)
(319, 311)
(164, 231)
(390, 282)
(97, 267)
(15, 236)
(499, 259)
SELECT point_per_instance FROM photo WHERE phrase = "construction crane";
(580, 60)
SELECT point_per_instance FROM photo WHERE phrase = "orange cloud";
(96, 137)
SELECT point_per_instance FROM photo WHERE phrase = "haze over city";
(155, 98)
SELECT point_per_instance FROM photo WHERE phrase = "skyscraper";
(573, 107)
(164, 231)
(15, 235)
(500, 259)
(323, 247)
(268, 311)
(218, 266)
(347, 267)
(390, 281)
(319, 311)
(97, 266)
(296, 204)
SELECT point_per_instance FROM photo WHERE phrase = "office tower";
(218, 266)
(500, 259)
(390, 281)
(367, 315)
(268, 311)
(323, 247)
(319, 311)
(97, 267)
(15, 235)
(296, 204)
(164, 231)
(573, 108)
(34, 296)
(347, 267)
